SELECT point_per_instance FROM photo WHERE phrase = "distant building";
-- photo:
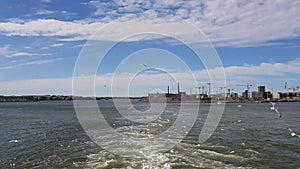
(245, 94)
(275, 95)
(174, 97)
(234, 95)
(255, 95)
(261, 92)
(283, 95)
(268, 95)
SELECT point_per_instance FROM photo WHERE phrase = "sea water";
(49, 135)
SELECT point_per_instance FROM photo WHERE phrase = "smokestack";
(168, 89)
(285, 85)
(178, 88)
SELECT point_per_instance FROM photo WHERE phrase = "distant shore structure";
(172, 97)
(261, 95)
(291, 94)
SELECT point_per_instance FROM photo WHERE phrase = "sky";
(247, 42)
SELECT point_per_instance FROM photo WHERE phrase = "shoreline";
(38, 98)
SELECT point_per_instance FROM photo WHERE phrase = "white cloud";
(21, 54)
(57, 45)
(37, 86)
(43, 12)
(15, 64)
(41, 62)
(68, 14)
(276, 74)
(7, 52)
(53, 28)
(236, 23)
(227, 23)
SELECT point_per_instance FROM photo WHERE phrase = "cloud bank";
(227, 23)
(149, 82)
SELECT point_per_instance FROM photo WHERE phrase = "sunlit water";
(48, 135)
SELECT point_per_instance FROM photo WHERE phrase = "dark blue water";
(49, 135)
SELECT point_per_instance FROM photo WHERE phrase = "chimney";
(178, 88)
(168, 89)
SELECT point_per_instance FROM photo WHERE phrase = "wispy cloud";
(53, 45)
(68, 14)
(57, 45)
(53, 28)
(21, 54)
(14, 65)
(7, 52)
(43, 12)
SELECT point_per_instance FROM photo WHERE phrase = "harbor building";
(261, 92)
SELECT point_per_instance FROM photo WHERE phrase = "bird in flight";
(143, 64)
(275, 109)
(293, 133)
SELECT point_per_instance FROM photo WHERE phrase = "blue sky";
(258, 42)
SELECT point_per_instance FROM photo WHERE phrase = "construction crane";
(199, 88)
(248, 89)
(291, 88)
(229, 92)
(294, 88)
(221, 90)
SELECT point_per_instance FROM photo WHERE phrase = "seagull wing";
(279, 113)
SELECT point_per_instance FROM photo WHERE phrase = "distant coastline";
(35, 98)
(170, 99)
(259, 96)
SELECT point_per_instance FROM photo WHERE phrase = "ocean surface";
(249, 135)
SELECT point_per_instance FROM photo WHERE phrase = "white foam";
(252, 151)
(163, 121)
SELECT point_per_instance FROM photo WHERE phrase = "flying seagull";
(143, 64)
(279, 114)
(273, 106)
(275, 109)
(293, 133)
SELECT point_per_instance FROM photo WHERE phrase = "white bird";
(293, 134)
(14, 141)
(143, 64)
(273, 106)
(276, 109)
(279, 113)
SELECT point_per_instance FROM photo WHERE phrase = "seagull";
(293, 134)
(279, 114)
(14, 141)
(143, 64)
(273, 106)
(276, 109)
